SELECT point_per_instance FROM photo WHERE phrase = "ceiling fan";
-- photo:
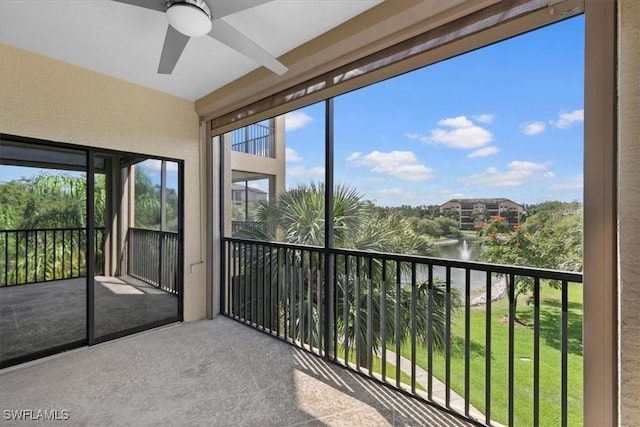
(196, 18)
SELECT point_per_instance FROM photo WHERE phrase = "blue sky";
(10, 173)
(502, 121)
(150, 166)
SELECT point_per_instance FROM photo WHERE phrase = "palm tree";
(52, 202)
(297, 217)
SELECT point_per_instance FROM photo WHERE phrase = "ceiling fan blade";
(233, 38)
(220, 8)
(174, 43)
(159, 5)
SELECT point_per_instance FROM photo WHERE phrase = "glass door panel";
(43, 256)
(138, 287)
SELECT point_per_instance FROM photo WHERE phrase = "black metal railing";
(403, 314)
(153, 257)
(256, 139)
(46, 254)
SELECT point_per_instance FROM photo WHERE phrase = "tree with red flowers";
(503, 244)
(550, 238)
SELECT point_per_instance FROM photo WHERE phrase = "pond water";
(465, 249)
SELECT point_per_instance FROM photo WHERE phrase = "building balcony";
(257, 139)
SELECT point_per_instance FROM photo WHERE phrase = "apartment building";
(256, 155)
(474, 212)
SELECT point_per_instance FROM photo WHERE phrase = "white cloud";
(484, 118)
(456, 122)
(567, 119)
(403, 165)
(353, 156)
(292, 155)
(527, 166)
(462, 133)
(483, 152)
(518, 173)
(532, 128)
(576, 183)
(315, 171)
(296, 120)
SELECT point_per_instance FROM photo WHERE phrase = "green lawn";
(377, 367)
(550, 359)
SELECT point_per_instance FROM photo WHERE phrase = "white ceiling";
(125, 41)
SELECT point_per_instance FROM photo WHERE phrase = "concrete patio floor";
(207, 373)
(40, 316)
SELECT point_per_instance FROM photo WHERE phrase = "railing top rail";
(542, 273)
(151, 230)
(47, 229)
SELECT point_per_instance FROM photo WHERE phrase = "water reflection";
(463, 251)
(459, 249)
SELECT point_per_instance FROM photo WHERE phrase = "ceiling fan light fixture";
(190, 17)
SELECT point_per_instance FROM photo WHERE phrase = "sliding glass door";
(140, 286)
(43, 257)
(90, 246)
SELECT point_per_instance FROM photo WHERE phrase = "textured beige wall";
(629, 207)
(52, 100)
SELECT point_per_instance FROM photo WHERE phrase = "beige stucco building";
(472, 212)
(255, 152)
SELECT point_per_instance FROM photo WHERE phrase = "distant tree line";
(426, 220)
(59, 201)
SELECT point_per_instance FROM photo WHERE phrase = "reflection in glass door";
(43, 256)
(90, 246)
(138, 288)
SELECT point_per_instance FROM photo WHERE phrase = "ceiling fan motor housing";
(190, 17)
